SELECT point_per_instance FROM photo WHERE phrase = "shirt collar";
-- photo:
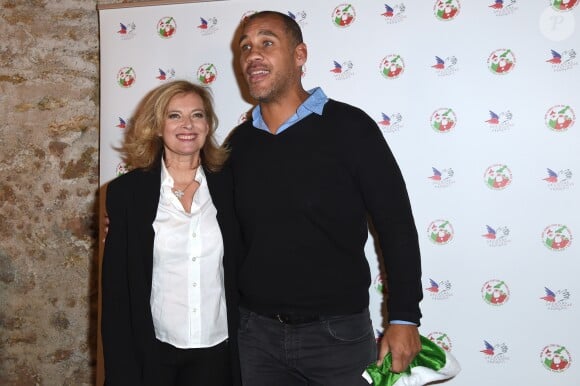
(167, 180)
(313, 104)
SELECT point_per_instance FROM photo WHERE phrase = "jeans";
(332, 351)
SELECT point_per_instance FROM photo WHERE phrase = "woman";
(168, 264)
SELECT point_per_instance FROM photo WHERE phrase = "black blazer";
(126, 324)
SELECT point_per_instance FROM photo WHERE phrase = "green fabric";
(431, 356)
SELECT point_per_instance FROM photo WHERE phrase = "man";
(307, 170)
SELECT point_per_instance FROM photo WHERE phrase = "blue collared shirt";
(313, 104)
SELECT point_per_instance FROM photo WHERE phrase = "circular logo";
(244, 117)
(166, 27)
(559, 118)
(446, 9)
(501, 61)
(126, 77)
(497, 177)
(495, 292)
(440, 232)
(392, 66)
(563, 5)
(343, 15)
(555, 358)
(443, 120)
(441, 339)
(557, 237)
(206, 74)
(378, 283)
(121, 169)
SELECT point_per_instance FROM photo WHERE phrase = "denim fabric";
(331, 352)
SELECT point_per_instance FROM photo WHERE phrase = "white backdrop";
(477, 100)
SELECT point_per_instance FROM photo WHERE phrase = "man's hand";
(402, 341)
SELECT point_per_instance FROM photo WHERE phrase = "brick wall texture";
(49, 146)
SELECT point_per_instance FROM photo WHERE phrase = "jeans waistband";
(292, 319)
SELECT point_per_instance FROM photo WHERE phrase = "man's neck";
(275, 113)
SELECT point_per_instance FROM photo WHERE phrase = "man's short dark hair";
(291, 27)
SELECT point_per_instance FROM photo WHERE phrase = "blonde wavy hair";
(143, 144)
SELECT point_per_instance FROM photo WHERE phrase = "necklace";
(181, 192)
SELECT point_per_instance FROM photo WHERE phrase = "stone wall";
(49, 138)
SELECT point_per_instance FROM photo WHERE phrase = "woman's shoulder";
(130, 180)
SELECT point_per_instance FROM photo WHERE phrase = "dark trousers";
(332, 351)
(192, 367)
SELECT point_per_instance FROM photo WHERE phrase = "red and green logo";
(378, 284)
(126, 77)
(440, 232)
(206, 74)
(121, 169)
(443, 120)
(495, 292)
(557, 237)
(166, 27)
(497, 177)
(441, 339)
(446, 10)
(392, 66)
(563, 5)
(343, 15)
(501, 61)
(560, 118)
(555, 358)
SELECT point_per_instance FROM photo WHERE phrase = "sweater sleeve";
(121, 365)
(387, 202)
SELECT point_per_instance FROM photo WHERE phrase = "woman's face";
(185, 127)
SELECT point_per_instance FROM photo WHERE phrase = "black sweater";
(302, 198)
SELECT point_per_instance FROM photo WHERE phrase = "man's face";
(269, 60)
